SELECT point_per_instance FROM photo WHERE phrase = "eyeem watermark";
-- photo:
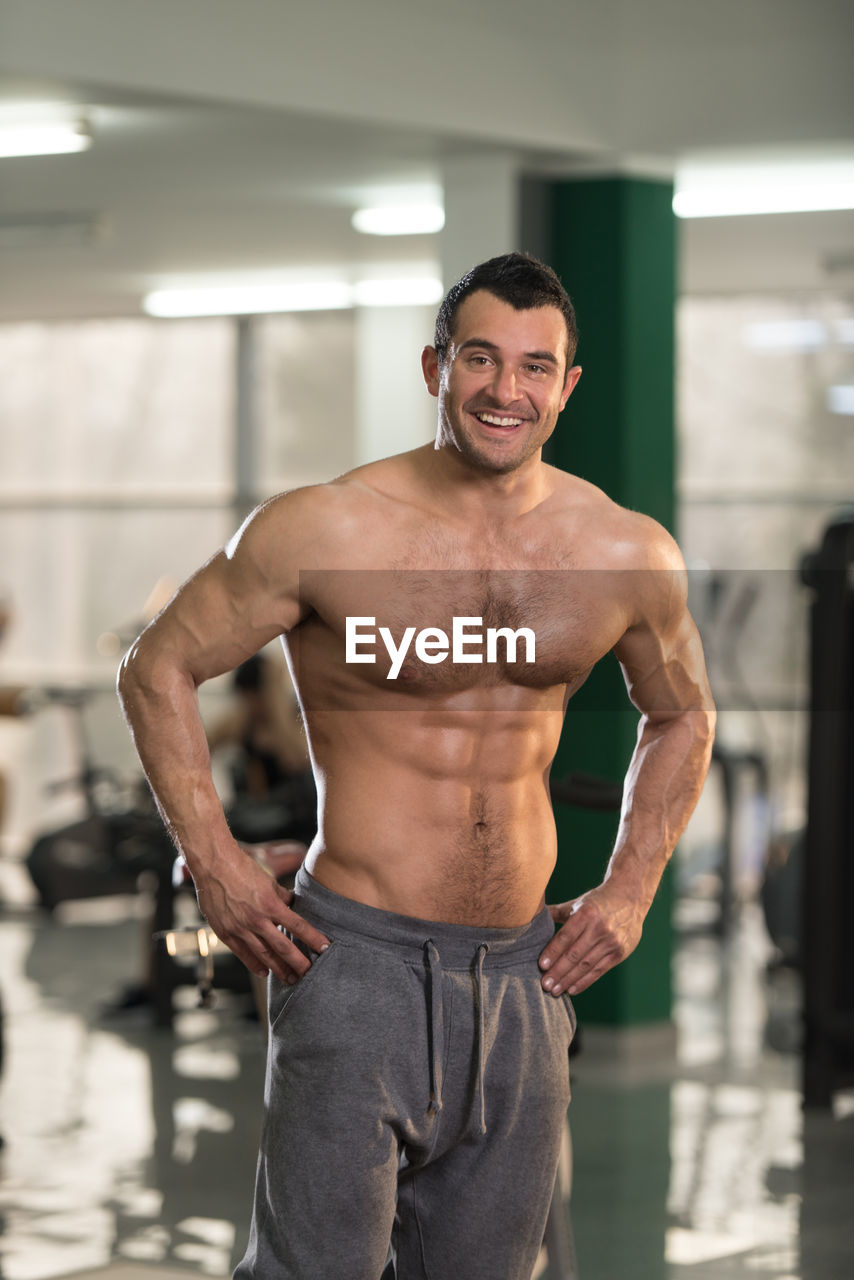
(432, 644)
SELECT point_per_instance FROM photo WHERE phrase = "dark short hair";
(519, 279)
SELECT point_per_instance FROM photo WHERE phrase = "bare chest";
(453, 629)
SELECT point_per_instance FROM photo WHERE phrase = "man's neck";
(465, 489)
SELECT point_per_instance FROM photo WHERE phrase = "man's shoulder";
(569, 493)
(612, 536)
(640, 542)
(327, 522)
(356, 493)
(387, 478)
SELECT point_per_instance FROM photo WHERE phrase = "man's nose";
(504, 384)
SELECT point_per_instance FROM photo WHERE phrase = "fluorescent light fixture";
(236, 300)
(423, 291)
(240, 300)
(399, 220)
(743, 201)
(742, 188)
(840, 399)
(43, 138)
(786, 335)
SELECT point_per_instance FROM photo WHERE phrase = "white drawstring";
(437, 1030)
(481, 1033)
(437, 1027)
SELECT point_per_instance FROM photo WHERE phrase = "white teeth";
(499, 422)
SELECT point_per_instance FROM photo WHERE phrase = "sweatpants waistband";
(458, 943)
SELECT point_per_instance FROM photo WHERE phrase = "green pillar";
(612, 242)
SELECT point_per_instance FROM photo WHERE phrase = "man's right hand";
(245, 907)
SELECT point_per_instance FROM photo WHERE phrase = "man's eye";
(536, 368)
(478, 360)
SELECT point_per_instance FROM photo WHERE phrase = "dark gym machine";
(828, 898)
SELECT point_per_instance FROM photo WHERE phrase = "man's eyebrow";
(485, 344)
(477, 342)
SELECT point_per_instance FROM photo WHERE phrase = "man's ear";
(430, 369)
(572, 376)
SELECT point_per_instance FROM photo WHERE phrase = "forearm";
(160, 704)
(662, 787)
(242, 903)
(662, 661)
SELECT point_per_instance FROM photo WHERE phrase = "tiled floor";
(133, 1149)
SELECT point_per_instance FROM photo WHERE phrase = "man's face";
(502, 383)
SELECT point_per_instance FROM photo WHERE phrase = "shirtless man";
(420, 997)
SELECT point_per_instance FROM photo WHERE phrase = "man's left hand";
(599, 930)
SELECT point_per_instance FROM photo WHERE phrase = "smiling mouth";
(498, 420)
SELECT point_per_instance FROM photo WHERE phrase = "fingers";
(295, 924)
(275, 963)
(571, 934)
(259, 963)
(255, 931)
(276, 951)
(585, 948)
(577, 969)
(561, 911)
(268, 950)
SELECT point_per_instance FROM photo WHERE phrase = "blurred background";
(224, 232)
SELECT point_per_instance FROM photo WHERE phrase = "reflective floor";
(125, 1145)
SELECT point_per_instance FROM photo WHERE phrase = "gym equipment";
(828, 898)
(105, 851)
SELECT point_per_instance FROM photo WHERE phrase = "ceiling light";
(43, 138)
(744, 201)
(718, 190)
(251, 299)
(423, 291)
(238, 300)
(399, 220)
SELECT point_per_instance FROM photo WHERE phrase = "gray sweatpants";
(417, 1084)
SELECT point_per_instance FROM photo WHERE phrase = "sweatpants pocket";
(283, 997)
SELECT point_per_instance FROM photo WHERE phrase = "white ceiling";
(173, 189)
(238, 139)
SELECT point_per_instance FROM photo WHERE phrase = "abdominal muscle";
(437, 814)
